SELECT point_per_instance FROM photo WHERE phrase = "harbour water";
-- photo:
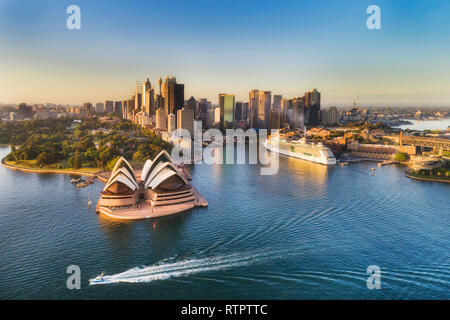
(309, 232)
(427, 125)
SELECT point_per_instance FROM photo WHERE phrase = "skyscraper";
(286, 105)
(238, 115)
(185, 120)
(277, 102)
(253, 97)
(264, 106)
(203, 105)
(87, 108)
(329, 116)
(161, 121)
(245, 111)
(147, 85)
(118, 106)
(109, 106)
(210, 118)
(99, 107)
(171, 123)
(138, 97)
(172, 94)
(312, 107)
(148, 98)
(275, 120)
(298, 112)
(227, 109)
(192, 103)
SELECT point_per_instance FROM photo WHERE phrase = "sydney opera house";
(159, 189)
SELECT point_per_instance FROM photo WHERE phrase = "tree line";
(63, 143)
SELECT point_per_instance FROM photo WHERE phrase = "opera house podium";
(160, 190)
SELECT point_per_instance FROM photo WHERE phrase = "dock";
(387, 162)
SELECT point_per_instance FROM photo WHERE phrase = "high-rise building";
(277, 102)
(192, 103)
(87, 108)
(210, 118)
(245, 112)
(298, 113)
(161, 120)
(138, 97)
(227, 108)
(312, 107)
(286, 105)
(118, 106)
(275, 119)
(148, 98)
(147, 85)
(185, 120)
(238, 115)
(217, 115)
(329, 116)
(264, 106)
(172, 95)
(203, 105)
(109, 106)
(99, 107)
(25, 111)
(252, 119)
(171, 122)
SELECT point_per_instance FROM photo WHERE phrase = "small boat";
(343, 164)
(372, 169)
(89, 200)
(98, 279)
(75, 180)
(83, 184)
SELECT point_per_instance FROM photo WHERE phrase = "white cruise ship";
(300, 149)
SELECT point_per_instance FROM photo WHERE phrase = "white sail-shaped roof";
(122, 178)
(123, 173)
(161, 177)
(163, 156)
(154, 172)
(162, 172)
(146, 170)
(126, 164)
(126, 173)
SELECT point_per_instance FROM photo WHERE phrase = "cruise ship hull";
(322, 160)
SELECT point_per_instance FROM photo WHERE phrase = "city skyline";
(284, 48)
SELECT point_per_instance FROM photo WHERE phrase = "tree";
(45, 158)
(112, 163)
(401, 157)
(76, 160)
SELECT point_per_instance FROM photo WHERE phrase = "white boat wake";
(162, 271)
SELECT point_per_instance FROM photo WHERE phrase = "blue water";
(309, 232)
(427, 125)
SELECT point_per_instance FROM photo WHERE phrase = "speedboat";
(98, 279)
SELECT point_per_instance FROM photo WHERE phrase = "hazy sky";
(225, 46)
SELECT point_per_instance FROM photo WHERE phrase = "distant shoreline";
(59, 171)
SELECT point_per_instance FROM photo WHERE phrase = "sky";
(228, 46)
